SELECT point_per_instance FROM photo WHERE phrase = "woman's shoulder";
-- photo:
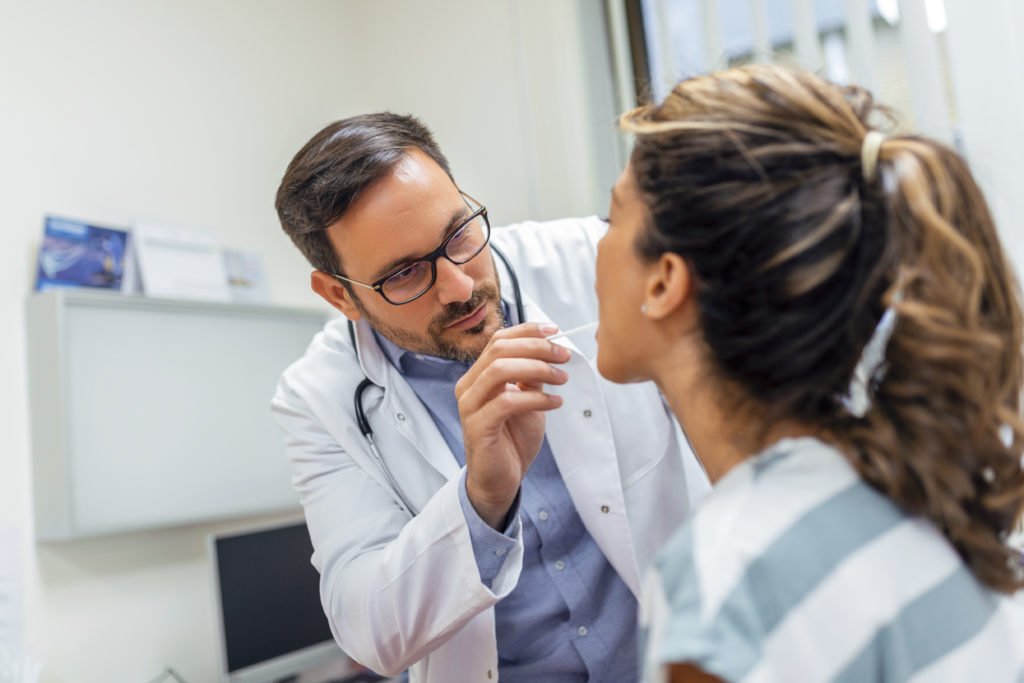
(773, 497)
(787, 542)
(796, 509)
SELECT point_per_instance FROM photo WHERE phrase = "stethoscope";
(364, 424)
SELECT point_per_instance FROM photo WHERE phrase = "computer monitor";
(272, 626)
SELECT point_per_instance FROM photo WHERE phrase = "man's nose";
(453, 284)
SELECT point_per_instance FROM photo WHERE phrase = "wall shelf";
(153, 412)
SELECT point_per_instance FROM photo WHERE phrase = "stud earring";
(643, 308)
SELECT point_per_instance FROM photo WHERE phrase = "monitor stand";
(338, 670)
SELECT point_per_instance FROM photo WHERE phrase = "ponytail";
(943, 437)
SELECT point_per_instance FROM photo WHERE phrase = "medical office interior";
(185, 113)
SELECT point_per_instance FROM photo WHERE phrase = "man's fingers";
(528, 329)
(525, 347)
(512, 370)
(494, 379)
(512, 401)
(499, 352)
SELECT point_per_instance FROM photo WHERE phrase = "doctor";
(480, 501)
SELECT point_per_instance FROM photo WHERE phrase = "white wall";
(519, 94)
(986, 59)
(188, 111)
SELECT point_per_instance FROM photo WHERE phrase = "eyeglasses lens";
(407, 283)
(410, 282)
(468, 241)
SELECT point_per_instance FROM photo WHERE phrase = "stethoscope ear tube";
(364, 424)
(514, 280)
(364, 427)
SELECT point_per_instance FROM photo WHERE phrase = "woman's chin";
(612, 370)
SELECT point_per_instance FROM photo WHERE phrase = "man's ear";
(334, 293)
(669, 288)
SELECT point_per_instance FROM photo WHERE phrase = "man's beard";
(435, 343)
(487, 292)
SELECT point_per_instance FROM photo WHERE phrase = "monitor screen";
(272, 623)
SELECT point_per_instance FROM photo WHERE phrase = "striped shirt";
(794, 569)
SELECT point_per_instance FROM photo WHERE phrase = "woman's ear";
(334, 293)
(669, 286)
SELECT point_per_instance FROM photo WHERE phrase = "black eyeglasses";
(412, 280)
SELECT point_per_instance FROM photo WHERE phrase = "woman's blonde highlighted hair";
(754, 175)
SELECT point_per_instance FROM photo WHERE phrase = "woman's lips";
(471, 320)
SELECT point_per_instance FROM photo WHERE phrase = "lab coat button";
(587, 413)
(605, 509)
(401, 417)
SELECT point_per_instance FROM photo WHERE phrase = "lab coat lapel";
(401, 407)
(583, 446)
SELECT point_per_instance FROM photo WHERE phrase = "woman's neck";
(721, 439)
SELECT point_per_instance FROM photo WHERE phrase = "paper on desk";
(180, 262)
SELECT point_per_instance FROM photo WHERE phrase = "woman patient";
(831, 315)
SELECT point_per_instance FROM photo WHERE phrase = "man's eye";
(460, 235)
(406, 274)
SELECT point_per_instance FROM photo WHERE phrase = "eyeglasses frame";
(431, 258)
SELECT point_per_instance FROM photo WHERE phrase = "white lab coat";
(402, 591)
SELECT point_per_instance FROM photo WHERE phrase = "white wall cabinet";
(149, 413)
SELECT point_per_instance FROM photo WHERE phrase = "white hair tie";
(869, 153)
(871, 367)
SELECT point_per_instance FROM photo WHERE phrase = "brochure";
(246, 280)
(76, 254)
(180, 262)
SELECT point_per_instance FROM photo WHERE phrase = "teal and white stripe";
(995, 649)
(721, 520)
(793, 569)
(926, 564)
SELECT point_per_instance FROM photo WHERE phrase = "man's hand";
(501, 404)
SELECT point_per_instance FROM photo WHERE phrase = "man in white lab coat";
(492, 503)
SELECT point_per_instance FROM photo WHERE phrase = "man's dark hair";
(334, 167)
